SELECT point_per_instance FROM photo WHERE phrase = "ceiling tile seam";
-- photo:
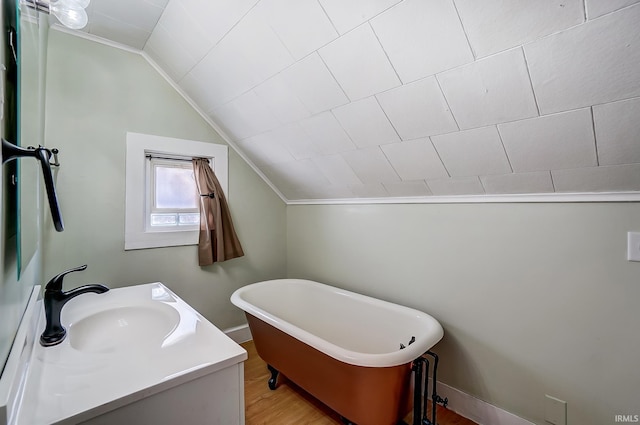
(518, 120)
(194, 60)
(439, 156)
(329, 18)
(535, 40)
(587, 22)
(390, 163)
(385, 53)
(368, 19)
(332, 76)
(455, 120)
(615, 11)
(283, 45)
(220, 40)
(526, 65)
(595, 135)
(484, 189)
(387, 117)
(426, 181)
(504, 149)
(343, 129)
(464, 30)
(128, 24)
(612, 101)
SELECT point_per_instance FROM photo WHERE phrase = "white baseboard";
(239, 334)
(477, 410)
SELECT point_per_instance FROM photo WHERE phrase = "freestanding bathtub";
(342, 347)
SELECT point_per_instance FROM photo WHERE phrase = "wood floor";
(290, 405)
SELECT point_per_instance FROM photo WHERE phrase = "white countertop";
(121, 346)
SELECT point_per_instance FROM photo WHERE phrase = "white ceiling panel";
(224, 74)
(121, 32)
(593, 63)
(395, 98)
(407, 188)
(418, 109)
(328, 192)
(336, 170)
(490, 91)
(422, 38)
(372, 190)
(246, 116)
(260, 45)
(277, 95)
(141, 14)
(618, 132)
(310, 20)
(327, 134)
(415, 159)
(456, 186)
(167, 52)
(472, 152)
(496, 25)
(159, 3)
(314, 85)
(295, 140)
(537, 182)
(597, 8)
(371, 166)
(365, 122)
(184, 30)
(359, 64)
(551, 142)
(216, 17)
(346, 15)
(598, 179)
(264, 150)
(301, 173)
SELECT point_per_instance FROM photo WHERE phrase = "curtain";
(218, 240)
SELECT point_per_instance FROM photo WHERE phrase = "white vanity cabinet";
(214, 399)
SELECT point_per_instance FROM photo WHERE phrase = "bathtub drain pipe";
(420, 367)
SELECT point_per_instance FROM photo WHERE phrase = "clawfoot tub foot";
(274, 377)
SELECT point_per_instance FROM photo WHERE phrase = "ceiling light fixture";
(70, 13)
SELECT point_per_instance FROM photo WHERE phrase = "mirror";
(30, 133)
(23, 41)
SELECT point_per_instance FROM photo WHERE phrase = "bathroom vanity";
(138, 355)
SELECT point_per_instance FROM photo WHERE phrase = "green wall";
(534, 299)
(95, 94)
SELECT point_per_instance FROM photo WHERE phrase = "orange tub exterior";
(363, 395)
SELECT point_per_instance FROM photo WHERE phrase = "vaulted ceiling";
(388, 98)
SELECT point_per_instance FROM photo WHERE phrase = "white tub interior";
(346, 325)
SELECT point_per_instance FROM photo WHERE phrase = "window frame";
(138, 145)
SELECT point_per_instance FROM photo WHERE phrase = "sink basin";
(143, 327)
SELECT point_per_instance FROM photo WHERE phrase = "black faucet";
(54, 299)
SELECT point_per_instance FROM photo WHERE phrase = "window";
(171, 195)
(161, 199)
